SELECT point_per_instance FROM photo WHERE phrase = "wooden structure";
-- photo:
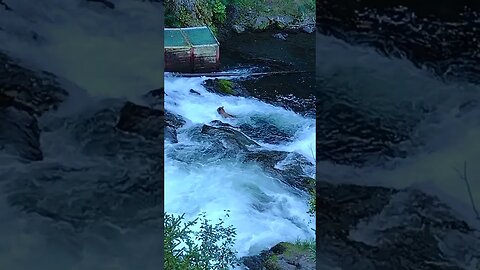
(191, 49)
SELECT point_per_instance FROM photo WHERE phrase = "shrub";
(211, 247)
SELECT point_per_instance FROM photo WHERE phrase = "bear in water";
(223, 113)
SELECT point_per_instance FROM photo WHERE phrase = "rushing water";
(198, 179)
(430, 127)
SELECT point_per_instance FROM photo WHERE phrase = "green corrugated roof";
(183, 37)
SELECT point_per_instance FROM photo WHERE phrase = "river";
(201, 177)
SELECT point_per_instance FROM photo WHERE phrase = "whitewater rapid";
(262, 209)
(440, 117)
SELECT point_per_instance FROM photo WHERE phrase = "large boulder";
(266, 132)
(230, 137)
(225, 87)
(141, 120)
(38, 90)
(382, 228)
(19, 131)
(290, 168)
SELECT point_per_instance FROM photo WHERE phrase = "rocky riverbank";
(238, 16)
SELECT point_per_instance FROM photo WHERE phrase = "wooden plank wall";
(197, 59)
(178, 60)
(205, 59)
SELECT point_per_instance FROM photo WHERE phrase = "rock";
(38, 90)
(19, 131)
(174, 120)
(218, 123)
(261, 23)
(238, 28)
(232, 138)
(308, 28)
(149, 123)
(281, 22)
(141, 120)
(224, 87)
(378, 228)
(281, 36)
(262, 130)
(292, 173)
(283, 256)
(155, 97)
(195, 92)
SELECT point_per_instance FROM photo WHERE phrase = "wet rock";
(225, 87)
(281, 36)
(38, 90)
(155, 97)
(218, 123)
(308, 28)
(195, 92)
(238, 28)
(379, 228)
(19, 131)
(174, 120)
(231, 137)
(292, 173)
(266, 132)
(141, 120)
(261, 23)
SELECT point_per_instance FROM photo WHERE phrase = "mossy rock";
(285, 255)
(225, 87)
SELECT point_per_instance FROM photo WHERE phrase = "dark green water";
(265, 52)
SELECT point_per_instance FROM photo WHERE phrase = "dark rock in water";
(441, 36)
(155, 97)
(19, 131)
(238, 28)
(141, 120)
(174, 120)
(5, 6)
(382, 228)
(233, 138)
(218, 123)
(291, 174)
(195, 92)
(281, 36)
(309, 28)
(105, 3)
(265, 132)
(38, 90)
(261, 23)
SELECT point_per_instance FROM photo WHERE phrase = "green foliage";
(225, 86)
(312, 202)
(211, 247)
(219, 11)
(291, 252)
